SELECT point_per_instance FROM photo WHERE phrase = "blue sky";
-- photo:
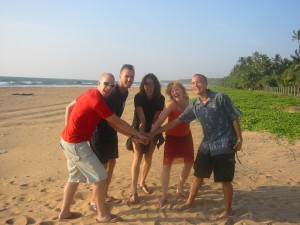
(172, 39)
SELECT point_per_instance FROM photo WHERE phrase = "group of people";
(90, 140)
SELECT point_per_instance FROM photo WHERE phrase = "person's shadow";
(271, 204)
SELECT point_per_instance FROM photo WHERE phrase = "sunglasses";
(108, 84)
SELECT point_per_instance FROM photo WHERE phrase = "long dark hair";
(157, 87)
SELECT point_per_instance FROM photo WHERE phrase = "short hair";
(175, 83)
(127, 66)
(201, 76)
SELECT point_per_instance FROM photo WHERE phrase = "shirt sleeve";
(102, 108)
(138, 100)
(233, 112)
(161, 103)
(188, 114)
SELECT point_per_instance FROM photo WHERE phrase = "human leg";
(103, 214)
(106, 149)
(75, 177)
(92, 203)
(99, 194)
(196, 185)
(183, 177)
(109, 170)
(165, 177)
(224, 173)
(146, 168)
(69, 192)
(202, 169)
(135, 170)
(228, 194)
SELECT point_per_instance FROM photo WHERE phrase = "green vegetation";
(259, 70)
(277, 114)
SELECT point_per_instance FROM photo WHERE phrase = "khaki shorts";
(83, 164)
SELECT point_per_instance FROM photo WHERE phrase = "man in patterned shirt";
(222, 138)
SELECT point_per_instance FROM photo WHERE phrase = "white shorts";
(83, 164)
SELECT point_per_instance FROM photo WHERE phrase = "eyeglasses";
(108, 84)
(128, 66)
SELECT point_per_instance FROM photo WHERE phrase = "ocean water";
(47, 82)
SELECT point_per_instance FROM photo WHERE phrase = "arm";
(121, 125)
(166, 127)
(69, 109)
(163, 116)
(132, 137)
(140, 112)
(118, 129)
(237, 129)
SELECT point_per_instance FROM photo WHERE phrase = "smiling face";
(149, 87)
(126, 78)
(106, 84)
(199, 84)
(176, 93)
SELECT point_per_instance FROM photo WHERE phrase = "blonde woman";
(179, 147)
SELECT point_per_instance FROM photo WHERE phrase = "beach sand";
(33, 171)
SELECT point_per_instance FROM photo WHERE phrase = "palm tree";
(296, 36)
(296, 60)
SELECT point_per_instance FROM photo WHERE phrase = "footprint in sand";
(21, 220)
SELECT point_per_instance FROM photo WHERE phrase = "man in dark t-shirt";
(104, 141)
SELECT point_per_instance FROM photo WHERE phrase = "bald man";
(81, 118)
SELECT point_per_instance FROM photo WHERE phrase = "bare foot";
(109, 219)
(70, 216)
(183, 207)
(161, 202)
(224, 214)
(145, 189)
(183, 194)
(134, 198)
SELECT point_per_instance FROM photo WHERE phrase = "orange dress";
(179, 146)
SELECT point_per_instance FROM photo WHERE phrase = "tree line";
(259, 71)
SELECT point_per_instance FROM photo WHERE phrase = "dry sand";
(33, 171)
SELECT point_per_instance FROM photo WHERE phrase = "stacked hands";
(143, 137)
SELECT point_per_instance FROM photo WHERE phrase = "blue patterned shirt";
(216, 117)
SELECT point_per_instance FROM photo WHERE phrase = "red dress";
(179, 146)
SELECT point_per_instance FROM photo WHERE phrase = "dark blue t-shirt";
(116, 102)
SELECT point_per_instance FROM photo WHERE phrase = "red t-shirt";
(89, 109)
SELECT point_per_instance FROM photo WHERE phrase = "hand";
(142, 138)
(238, 145)
(153, 133)
(137, 140)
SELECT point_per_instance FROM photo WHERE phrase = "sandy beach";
(33, 171)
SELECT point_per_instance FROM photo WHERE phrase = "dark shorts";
(105, 149)
(223, 166)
